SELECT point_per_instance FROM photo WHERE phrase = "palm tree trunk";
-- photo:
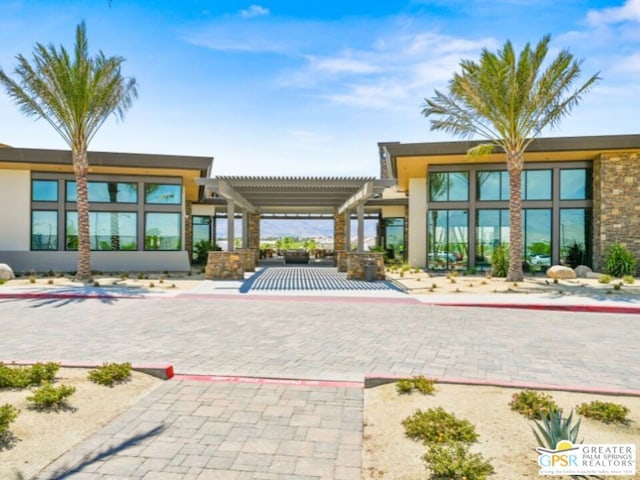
(515, 163)
(80, 169)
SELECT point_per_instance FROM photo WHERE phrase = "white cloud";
(338, 65)
(254, 11)
(630, 11)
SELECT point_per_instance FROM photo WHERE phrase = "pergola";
(258, 195)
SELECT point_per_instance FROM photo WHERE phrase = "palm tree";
(509, 100)
(75, 94)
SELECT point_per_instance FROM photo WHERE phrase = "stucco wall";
(417, 222)
(15, 209)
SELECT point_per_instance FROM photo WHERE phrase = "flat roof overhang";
(189, 168)
(410, 160)
(294, 194)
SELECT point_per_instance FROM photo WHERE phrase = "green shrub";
(628, 279)
(3, 281)
(500, 261)
(8, 413)
(576, 255)
(455, 462)
(606, 412)
(438, 426)
(555, 428)
(533, 405)
(110, 373)
(48, 396)
(23, 377)
(426, 386)
(619, 261)
(604, 278)
(404, 386)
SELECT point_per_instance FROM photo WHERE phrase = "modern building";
(579, 196)
(436, 206)
(139, 210)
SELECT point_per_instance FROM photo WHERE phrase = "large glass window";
(201, 230)
(44, 230)
(575, 184)
(44, 190)
(575, 230)
(163, 193)
(162, 231)
(108, 230)
(448, 239)
(105, 192)
(492, 229)
(537, 236)
(536, 185)
(449, 187)
(394, 237)
(493, 185)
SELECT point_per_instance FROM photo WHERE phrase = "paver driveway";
(190, 430)
(324, 339)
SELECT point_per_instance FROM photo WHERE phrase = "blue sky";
(274, 87)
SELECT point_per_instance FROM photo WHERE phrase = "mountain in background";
(299, 228)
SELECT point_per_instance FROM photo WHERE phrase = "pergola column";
(347, 230)
(231, 213)
(245, 229)
(360, 211)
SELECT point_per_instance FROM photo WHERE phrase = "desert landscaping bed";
(505, 436)
(38, 437)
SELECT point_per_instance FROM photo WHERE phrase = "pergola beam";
(361, 196)
(224, 190)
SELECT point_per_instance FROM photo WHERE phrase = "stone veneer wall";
(224, 266)
(616, 204)
(356, 263)
(248, 256)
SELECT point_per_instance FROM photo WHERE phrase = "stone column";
(253, 231)
(339, 231)
(616, 204)
(188, 230)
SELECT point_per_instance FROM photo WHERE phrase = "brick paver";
(193, 430)
(232, 431)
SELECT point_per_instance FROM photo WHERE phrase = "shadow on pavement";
(65, 472)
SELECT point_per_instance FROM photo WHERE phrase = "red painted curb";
(374, 380)
(163, 371)
(67, 296)
(269, 381)
(542, 306)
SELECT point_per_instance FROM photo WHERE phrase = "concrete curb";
(163, 371)
(375, 380)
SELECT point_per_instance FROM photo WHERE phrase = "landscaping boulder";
(5, 272)
(582, 271)
(560, 272)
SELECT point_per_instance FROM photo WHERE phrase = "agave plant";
(554, 428)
